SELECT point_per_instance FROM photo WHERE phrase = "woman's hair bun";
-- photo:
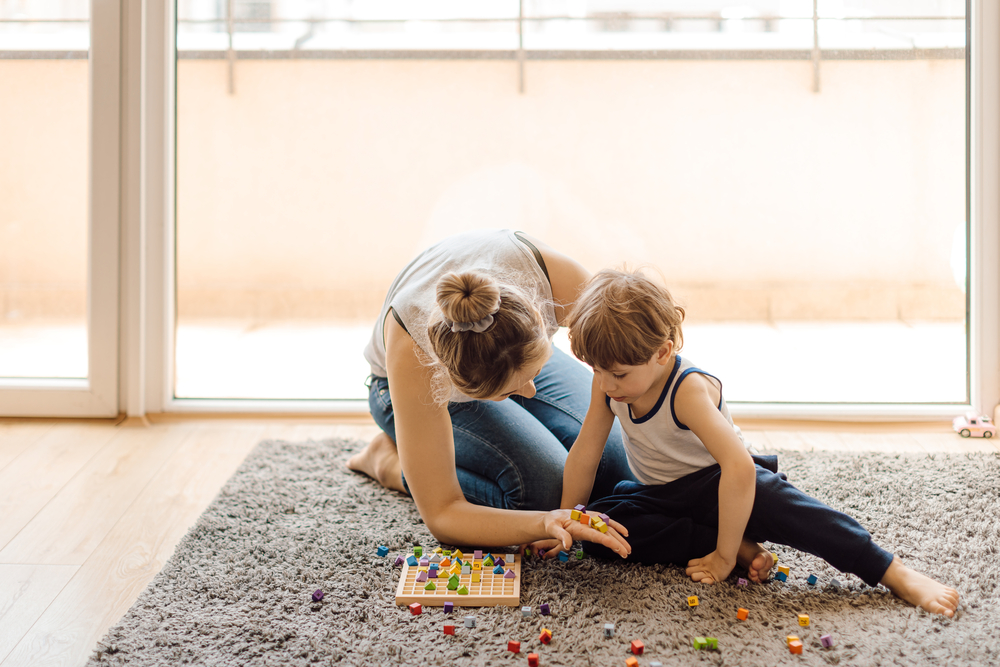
(467, 297)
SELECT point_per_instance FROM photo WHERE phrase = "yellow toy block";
(791, 638)
(804, 620)
(439, 550)
(601, 526)
(476, 576)
(574, 515)
(477, 565)
(693, 601)
(774, 554)
(458, 554)
(784, 570)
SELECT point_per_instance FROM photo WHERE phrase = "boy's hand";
(710, 569)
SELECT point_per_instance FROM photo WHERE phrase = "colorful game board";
(491, 590)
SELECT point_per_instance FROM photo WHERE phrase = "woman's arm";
(427, 456)
(566, 275)
(696, 406)
(585, 455)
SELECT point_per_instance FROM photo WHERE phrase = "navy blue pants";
(675, 522)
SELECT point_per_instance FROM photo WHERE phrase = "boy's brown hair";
(622, 318)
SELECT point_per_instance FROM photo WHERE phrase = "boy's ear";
(663, 354)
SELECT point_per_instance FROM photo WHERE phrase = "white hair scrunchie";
(475, 327)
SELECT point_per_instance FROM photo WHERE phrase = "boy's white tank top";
(659, 448)
(412, 295)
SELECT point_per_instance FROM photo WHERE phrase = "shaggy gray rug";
(292, 520)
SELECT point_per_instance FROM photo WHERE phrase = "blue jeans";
(510, 454)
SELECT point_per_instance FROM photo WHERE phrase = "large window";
(795, 170)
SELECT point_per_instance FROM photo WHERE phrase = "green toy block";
(431, 586)
(462, 590)
(700, 643)
(713, 643)
(453, 582)
(418, 551)
(579, 554)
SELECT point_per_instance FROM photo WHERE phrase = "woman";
(477, 408)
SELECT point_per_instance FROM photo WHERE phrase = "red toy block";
(415, 608)
(637, 647)
(546, 636)
(449, 629)
(532, 660)
(742, 613)
(514, 647)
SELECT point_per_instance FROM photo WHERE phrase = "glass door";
(59, 169)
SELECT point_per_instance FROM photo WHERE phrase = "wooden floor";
(90, 511)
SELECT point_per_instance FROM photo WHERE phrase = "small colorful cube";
(631, 661)
(563, 557)
(581, 508)
(742, 582)
(656, 664)
(415, 608)
(574, 515)
(812, 580)
(742, 613)
(774, 554)
(382, 551)
(411, 561)
(418, 551)
(693, 601)
(514, 647)
(399, 561)
(543, 609)
(804, 620)
(421, 576)
(585, 519)
(795, 647)
(446, 553)
(498, 569)
(476, 576)
(499, 560)
(431, 586)
(470, 621)
(509, 574)
(532, 660)
(449, 607)
(546, 636)
(637, 647)
(462, 590)
(784, 570)
(478, 555)
(836, 583)
(712, 643)
(424, 562)
(488, 561)
(449, 629)
(609, 629)
(791, 638)
(827, 641)
(700, 643)
(446, 562)
(525, 612)
(579, 554)
(458, 554)
(466, 568)
(781, 576)
(317, 595)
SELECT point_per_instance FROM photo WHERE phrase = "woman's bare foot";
(380, 461)
(756, 559)
(920, 590)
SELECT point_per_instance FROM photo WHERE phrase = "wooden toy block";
(637, 647)
(466, 568)
(700, 643)
(604, 517)
(795, 647)
(458, 554)
(609, 629)
(317, 596)
(712, 643)
(546, 636)
(477, 565)
(482, 587)
(742, 613)
(525, 612)
(784, 570)
(812, 580)
(449, 629)
(421, 577)
(781, 576)
(582, 509)
(418, 551)
(774, 554)
(449, 607)
(438, 550)
(585, 519)
(455, 569)
(436, 559)
(742, 582)
(499, 561)
(836, 583)
(601, 526)
(532, 660)
(424, 562)
(382, 551)
(543, 609)
(791, 638)
(579, 554)
(574, 515)
(446, 553)
(514, 647)
(411, 561)
(415, 608)
(804, 620)
(470, 621)
(563, 557)
(488, 561)
(431, 586)
(693, 601)
(656, 664)
(477, 554)
(462, 590)
(445, 562)
(498, 570)
(827, 641)
(399, 561)
(631, 661)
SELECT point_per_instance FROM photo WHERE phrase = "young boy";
(701, 491)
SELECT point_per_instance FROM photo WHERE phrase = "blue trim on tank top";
(659, 402)
(673, 394)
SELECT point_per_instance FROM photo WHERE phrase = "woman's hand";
(563, 531)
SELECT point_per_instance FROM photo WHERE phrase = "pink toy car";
(973, 424)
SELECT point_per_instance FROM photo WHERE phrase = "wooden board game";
(490, 591)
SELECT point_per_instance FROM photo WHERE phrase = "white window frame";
(97, 394)
(148, 309)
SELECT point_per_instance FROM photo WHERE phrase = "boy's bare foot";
(756, 559)
(380, 461)
(920, 590)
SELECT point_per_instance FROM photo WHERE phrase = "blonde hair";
(623, 318)
(481, 364)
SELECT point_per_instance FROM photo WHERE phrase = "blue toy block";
(812, 580)
(498, 569)
(382, 551)
(411, 561)
(781, 576)
(563, 556)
